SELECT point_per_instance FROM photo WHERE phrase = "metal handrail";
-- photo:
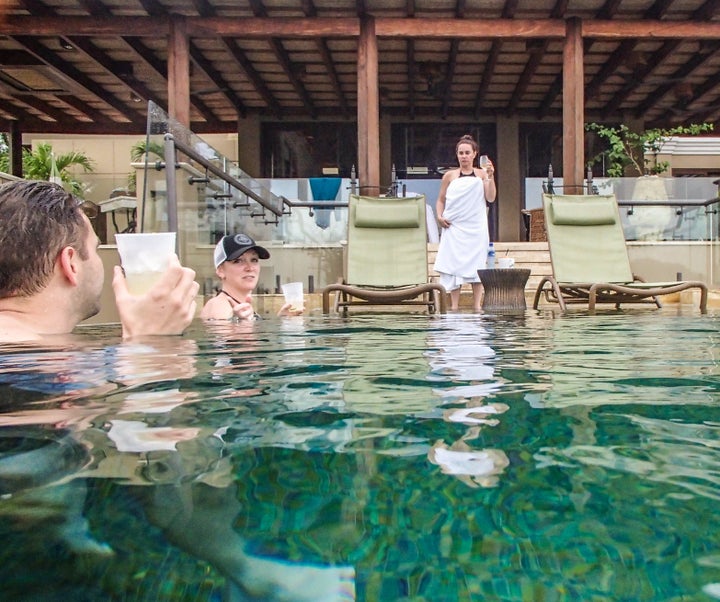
(195, 156)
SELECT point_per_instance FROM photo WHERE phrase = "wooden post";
(573, 102)
(15, 139)
(179, 71)
(368, 106)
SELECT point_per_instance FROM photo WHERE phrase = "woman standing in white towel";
(462, 213)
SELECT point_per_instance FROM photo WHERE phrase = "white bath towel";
(463, 246)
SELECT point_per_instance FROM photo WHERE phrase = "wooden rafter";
(421, 30)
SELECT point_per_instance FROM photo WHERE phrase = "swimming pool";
(538, 456)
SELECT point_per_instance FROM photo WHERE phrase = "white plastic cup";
(505, 262)
(294, 295)
(144, 258)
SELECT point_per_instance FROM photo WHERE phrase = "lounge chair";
(386, 262)
(589, 257)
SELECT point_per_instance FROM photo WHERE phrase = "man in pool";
(237, 264)
(51, 275)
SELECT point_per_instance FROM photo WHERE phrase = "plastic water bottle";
(491, 257)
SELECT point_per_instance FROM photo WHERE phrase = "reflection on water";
(459, 457)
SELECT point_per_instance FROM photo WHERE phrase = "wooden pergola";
(176, 47)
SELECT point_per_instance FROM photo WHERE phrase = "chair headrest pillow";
(387, 214)
(599, 211)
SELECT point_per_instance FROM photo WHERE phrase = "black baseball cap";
(233, 245)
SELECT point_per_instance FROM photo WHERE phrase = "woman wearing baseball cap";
(237, 264)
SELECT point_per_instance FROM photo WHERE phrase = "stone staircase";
(532, 255)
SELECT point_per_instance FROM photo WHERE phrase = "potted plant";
(629, 150)
(637, 152)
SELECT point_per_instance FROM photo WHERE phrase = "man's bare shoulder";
(16, 331)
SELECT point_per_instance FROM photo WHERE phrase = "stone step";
(534, 256)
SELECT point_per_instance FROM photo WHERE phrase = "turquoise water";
(461, 457)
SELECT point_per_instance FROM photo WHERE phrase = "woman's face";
(466, 155)
(242, 272)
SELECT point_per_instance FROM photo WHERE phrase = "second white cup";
(505, 262)
(294, 294)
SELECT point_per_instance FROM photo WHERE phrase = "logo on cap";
(242, 240)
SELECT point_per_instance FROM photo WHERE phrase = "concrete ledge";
(692, 297)
(268, 305)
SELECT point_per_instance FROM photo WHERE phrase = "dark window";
(432, 145)
(303, 150)
(540, 147)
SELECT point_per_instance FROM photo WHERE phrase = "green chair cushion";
(386, 215)
(597, 212)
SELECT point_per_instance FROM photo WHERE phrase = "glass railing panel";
(654, 208)
(214, 196)
(209, 163)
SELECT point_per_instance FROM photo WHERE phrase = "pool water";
(537, 456)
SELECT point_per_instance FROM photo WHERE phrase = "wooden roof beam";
(98, 9)
(98, 56)
(286, 64)
(639, 75)
(698, 93)
(214, 76)
(324, 50)
(509, 10)
(326, 56)
(649, 29)
(608, 11)
(412, 73)
(206, 10)
(263, 27)
(284, 61)
(534, 61)
(74, 74)
(683, 71)
(657, 11)
(255, 78)
(85, 26)
(79, 105)
(460, 6)
(350, 27)
(38, 104)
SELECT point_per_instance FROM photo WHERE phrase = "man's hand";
(167, 308)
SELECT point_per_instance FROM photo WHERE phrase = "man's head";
(39, 221)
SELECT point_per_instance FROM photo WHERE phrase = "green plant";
(137, 152)
(4, 153)
(38, 165)
(630, 149)
(140, 149)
